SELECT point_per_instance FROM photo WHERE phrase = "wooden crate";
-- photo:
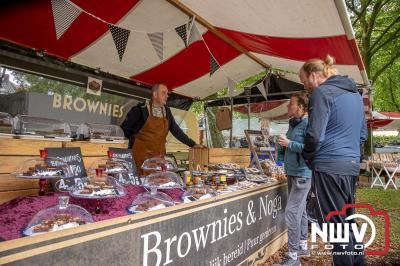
(206, 156)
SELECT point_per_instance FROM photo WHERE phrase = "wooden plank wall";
(203, 156)
(15, 151)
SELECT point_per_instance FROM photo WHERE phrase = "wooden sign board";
(233, 229)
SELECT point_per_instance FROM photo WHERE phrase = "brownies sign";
(232, 229)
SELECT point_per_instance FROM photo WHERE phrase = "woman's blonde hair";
(317, 65)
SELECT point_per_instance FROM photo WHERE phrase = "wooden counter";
(240, 228)
(15, 151)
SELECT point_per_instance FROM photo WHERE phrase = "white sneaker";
(288, 261)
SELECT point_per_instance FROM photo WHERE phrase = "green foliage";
(34, 83)
(385, 140)
(377, 27)
(198, 106)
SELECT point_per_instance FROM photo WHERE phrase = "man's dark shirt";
(136, 118)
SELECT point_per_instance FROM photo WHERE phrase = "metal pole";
(230, 133)
(248, 113)
(206, 122)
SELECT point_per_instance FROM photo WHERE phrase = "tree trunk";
(217, 139)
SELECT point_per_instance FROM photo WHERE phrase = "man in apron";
(147, 126)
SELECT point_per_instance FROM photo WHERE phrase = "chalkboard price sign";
(73, 157)
(126, 155)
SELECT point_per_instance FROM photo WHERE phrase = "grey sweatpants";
(295, 212)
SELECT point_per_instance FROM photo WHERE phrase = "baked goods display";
(163, 180)
(159, 163)
(99, 187)
(58, 222)
(273, 170)
(88, 131)
(149, 201)
(58, 217)
(224, 166)
(251, 170)
(110, 166)
(38, 126)
(260, 178)
(198, 193)
(46, 168)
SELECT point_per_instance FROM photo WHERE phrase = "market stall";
(123, 48)
(384, 161)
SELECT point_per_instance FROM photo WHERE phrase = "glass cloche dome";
(198, 193)
(99, 186)
(159, 163)
(43, 167)
(163, 180)
(109, 166)
(149, 201)
(58, 217)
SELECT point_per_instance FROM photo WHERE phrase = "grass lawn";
(388, 200)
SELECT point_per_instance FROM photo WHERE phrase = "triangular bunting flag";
(120, 37)
(157, 40)
(261, 88)
(63, 14)
(231, 87)
(190, 22)
(194, 34)
(213, 65)
(182, 32)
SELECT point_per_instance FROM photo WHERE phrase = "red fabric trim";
(356, 53)
(30, 24)
(377, 123)
(259, 107)
(189, 64)
(392, 114)
(300, 49)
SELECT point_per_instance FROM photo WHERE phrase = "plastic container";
(99, 132)
(38, 126)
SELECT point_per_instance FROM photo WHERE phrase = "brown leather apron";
(151, 139)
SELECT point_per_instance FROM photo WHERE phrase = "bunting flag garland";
(231, 87)
(120, 37)
(157, 40)
(182, 32)
(214, 66)
(194, 34)
(64, 15)
(261, 88)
